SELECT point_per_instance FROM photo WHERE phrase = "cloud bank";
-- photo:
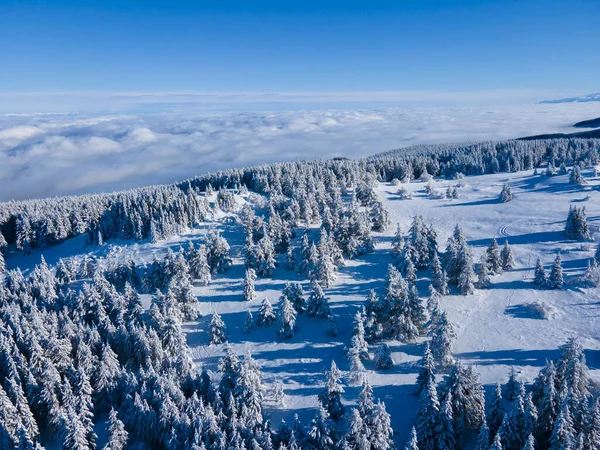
(52, 154)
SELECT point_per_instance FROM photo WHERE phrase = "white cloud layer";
(46, 155)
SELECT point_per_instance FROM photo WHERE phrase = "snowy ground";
(494, 330)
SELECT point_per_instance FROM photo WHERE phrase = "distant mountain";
(582, 99)
(592, 134)
(592, 123)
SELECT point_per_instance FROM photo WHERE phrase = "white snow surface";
(495, 331)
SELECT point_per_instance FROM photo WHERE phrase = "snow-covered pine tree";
(290, 259)
(506, 194)
(330, 396)
(446, 438)
(248, 323)
(249, 279)
(380, 430)
(483, 439)
(483, 276)
(322, 433)
(442, 341)
(576, 177)
(358, 341)
(493, 259)
(117, 435)
(332, 326)
(398, 243)
(266, 315)
(506, 257)
(539, 276)
(383, 357)
(413, 442)
(555, 279)
(286, 319)
(495, 413)
(468, 400)
(277, 393)
(427, 417)
(379, 216)
(357, 369)
(411, 272)
(439, 280)
(217, 330)
(295, 294)
(563, 434)
(512, 388)
(577, 227)
(318, 304)
(426, 370)
(466, 280)
(496, 443)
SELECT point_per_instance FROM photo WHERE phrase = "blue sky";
(299, 46)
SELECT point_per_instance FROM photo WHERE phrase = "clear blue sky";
(299, 46)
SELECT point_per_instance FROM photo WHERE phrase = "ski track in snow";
(494, 331)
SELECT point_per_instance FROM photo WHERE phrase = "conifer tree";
(483, 276)
(427, 417)
(577, 227)
(555, 279)
(266, 315)
(495, 414)
(506, 194)
(322, 433)
(483, 440)
(317, 303)
(358, 342)
(413, 442)
(576, 178)
(332, 326)
(290, 259)
(294, 293)
(249, 323)
(118, 436)
(506, 257)
(357, 369)
(439, 280)
(539, 277)
(217, 330)
(330, 396)
(563, 434)
(466, 278)
(468, 401)
(383, 357)
(445, 429)
(493, 259)
(442, 342)
(250, 278)
(426, 370)
(286, 319)
(380, 430)
(497, 443)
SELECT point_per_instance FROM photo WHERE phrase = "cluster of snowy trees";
(556, 412)
(75, 358)
(577, 227)
(300, 188)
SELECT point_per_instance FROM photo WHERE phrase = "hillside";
(497, 328)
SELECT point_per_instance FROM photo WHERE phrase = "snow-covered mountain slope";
(495, 329)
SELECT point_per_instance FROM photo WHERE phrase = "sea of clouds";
(45, 155)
